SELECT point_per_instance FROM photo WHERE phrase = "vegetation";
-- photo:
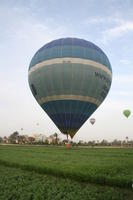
(13, 137)
(17, 184)
(40, 139)
(101, 166)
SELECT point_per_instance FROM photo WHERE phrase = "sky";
(25, 26)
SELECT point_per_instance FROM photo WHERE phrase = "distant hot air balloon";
(92, 120)
(127, 113)
(70, 78)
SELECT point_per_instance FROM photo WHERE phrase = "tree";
(81, 142)
(56, 137)
(104, 142)
(1, 140)
(13, 137)
(46, 141)
(64, 141)
(31, 140)
(22, 139)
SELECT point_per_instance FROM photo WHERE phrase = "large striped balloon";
(70, 78)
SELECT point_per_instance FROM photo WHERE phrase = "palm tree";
(56, 137)
(127, 140)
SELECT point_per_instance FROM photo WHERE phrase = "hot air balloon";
(69, 78)
(92, 120)
(127, 113)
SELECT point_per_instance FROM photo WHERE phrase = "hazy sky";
(25, 26)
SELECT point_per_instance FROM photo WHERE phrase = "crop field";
(40, 172)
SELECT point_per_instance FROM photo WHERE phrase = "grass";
(112, 167)
(18, 184)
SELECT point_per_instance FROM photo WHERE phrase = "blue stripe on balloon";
(69, 113)
(70, 47)
(70, 41)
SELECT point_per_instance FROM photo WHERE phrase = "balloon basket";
(68, 145)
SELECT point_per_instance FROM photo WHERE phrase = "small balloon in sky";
(127, 113)
(92, 121)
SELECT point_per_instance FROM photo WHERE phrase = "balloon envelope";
(70, 78)
(127, 113)
(92, 121)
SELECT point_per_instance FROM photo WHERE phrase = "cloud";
(102, 20)
(126, 62)
(112, 27)
(123, 79)
(117, 31)
(22, 24)
(121, 89)
(122, 94)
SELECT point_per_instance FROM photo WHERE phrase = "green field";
(58, 173)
